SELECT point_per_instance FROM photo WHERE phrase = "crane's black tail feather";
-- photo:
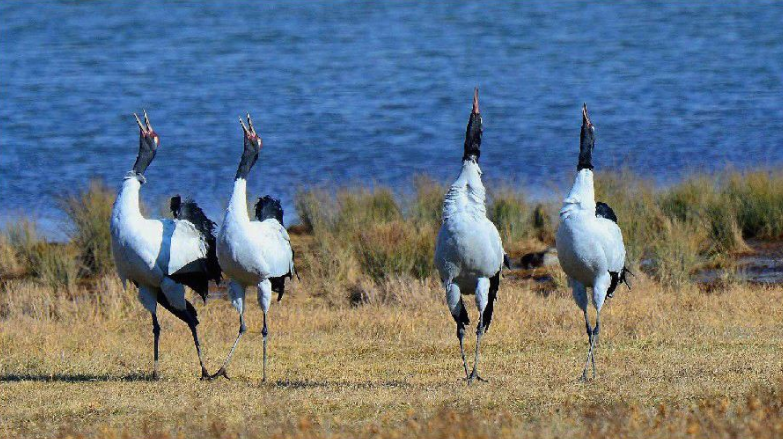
(494, 285)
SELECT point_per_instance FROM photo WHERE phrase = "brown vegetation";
(363, 346)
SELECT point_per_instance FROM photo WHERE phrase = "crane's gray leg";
(192, 325)
(156, 334)
(482, 297)
(264, 299)
(600, 288)
(237, 294)
(460, 315)
(590, 346)
(479, 333)
(148, 298)
(596, 330)
(579, 293)
(174, 294)
(264, 332)
(461, 336)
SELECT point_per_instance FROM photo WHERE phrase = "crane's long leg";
(236, 292)
(223, 368)
(590, 347)
(264, 299)
(461, 337)
(460, 315)
(194, 332)
(479, 333)
(264, 332)
(156, 334)
(596, 330)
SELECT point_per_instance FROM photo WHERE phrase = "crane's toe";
(220, 373)
(475, 376)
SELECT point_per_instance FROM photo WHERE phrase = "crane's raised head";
(473, 132)
(148, 145)
(586, 142)
(253, 145)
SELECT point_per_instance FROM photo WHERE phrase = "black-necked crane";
(253, 253)
(589, 242)
(161, 256)
(469, 253)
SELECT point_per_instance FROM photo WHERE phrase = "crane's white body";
(252, 252)
(468, 246)
(589, 247)
(147, 251)
(469, 253)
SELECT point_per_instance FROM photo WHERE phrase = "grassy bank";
(350, 237)
(363, 345)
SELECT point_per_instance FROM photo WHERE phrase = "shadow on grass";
(298, 384)
(74, 378)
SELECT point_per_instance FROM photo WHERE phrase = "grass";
(671, 364)
(363, 346)
(89, 212)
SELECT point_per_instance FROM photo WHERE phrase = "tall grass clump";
(674, 253)
(702, 201)
(426, 207)
(50, 264)
(634, 202)
(361, 208)
(90, 213)
(511, 214)
(368, 232)
(396, 248)
(314, 208)
(757, 198)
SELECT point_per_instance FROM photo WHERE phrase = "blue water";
(346, 92)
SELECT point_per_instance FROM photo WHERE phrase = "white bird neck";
(583, 191)
(237, 205)
(127, 204)
(467, 193)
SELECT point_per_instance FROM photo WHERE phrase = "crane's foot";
(474, 376)
(220, 373)
(155, 375)
(204, 374)
(584, 378)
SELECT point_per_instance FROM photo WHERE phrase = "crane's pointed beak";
(585, 118)
(473, 132)
(586, 142)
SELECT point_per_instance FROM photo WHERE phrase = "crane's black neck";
(586, 145)
(473, 138)
(249, 159)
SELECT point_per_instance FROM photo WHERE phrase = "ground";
(666, 360)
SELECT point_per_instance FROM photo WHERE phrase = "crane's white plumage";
(160, 256)
(253, 253)
(469, 253)
(148, 250)
(468, 245)
(589, 241)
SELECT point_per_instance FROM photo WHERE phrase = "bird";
(589, 242)
(469, 253)
(162, 256)
(253, 253)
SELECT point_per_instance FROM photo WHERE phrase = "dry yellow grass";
(682, 363)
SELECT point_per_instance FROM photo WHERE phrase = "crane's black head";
(586, 142)
(253, 144)
(473, 132)
(148, 146)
